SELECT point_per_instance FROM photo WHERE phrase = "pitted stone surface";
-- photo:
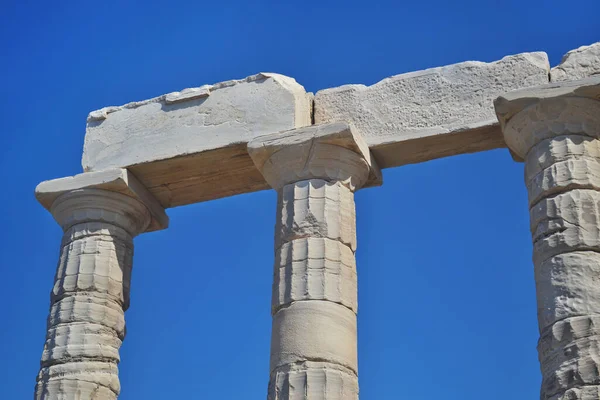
(566, 222)
(570, 148)
(419, 116)
(314, 269)
(578, 64)
(567, 286)
(313, 380)
(86, 324)
(565, 331)
(316, 208)
(569, 352)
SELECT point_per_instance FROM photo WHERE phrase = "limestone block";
(314, 330)
(575, 365)
(564, 223)
(190, 146)
(569, 353)
(76, 341)
(313, 380)
(60, 389)
(95, 263)
(314, 269)
(563, 176)
(560, 149)
(193, 121)
(118, 180)
(582, 393)
(529, 116)
(558, 335)
(316, 208)
(567, 286)
(63, 381)
(419, 116)
(577, 64)
(90, 310)
(333, 152)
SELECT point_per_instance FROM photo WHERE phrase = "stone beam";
(191, 146)
(438, 112)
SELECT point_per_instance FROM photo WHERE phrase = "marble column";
(555, 130)
(315, 171)
(86, 324)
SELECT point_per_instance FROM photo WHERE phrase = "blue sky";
(446, 290)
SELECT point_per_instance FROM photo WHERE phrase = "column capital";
(528, 116)
(113, 196)
(332, 152)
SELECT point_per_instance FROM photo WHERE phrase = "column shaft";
(86, 324)
(555, 130)
(315, 171)
(314, 303)
(563, 179)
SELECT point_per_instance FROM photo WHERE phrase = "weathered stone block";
(567, 286)
(577, 64)
(564, 223)
(332, 152)
(531, 115)
(419, 116)
(161, 138)
(313, 380)
(316, 208)
(118, 180)
(314, 330)
(314, 269)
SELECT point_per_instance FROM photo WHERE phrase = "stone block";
(577, 64)
(565, 223)
(419, 116)
(314, 268)
(313, 380)
(333, 152)
(567, 286)
(529, 116)
(314, 330)
(114, 180)
(189, 146)
(316, 208)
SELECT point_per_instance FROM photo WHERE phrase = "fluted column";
(555, 130)
(313, 344)
(86, 324)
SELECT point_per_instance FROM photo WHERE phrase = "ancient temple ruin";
(265, 132)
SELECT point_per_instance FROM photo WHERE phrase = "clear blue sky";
(446, 290)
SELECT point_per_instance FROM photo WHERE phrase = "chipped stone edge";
(199, 92)
(118, 180)
(560, 69)
(539, 58)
